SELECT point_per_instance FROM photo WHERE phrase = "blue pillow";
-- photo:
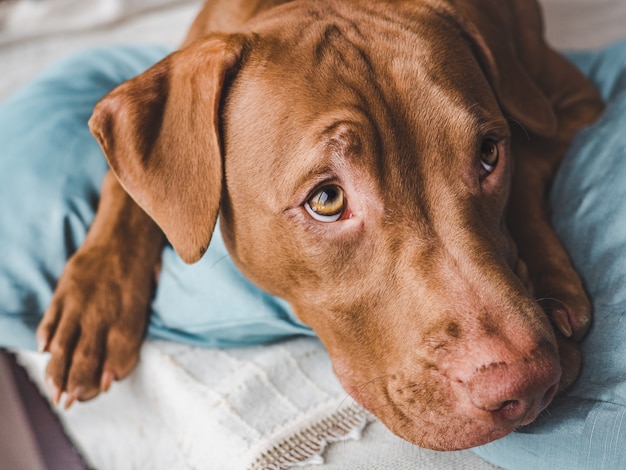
(51, 171)
(585, 428)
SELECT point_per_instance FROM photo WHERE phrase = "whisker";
(358, 390)
(220, 259)
(343, 400)
(369, 382)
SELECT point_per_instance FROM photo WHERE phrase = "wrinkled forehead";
(403, 80)
(412, 63)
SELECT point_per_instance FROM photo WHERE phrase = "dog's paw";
(565, 301)
(559, 291)
(94, 326)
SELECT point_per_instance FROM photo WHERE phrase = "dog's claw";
(562, 321)
(42, 344)
(71, 398)
(561, 316)
(107, 379)
(55, 392)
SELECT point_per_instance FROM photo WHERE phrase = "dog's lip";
(475, 427)
(481, 428)
(468, 434)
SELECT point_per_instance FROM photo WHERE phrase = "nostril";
(514, 392)
(509, 404)
(512, 410)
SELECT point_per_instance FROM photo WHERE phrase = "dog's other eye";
(489, 155)
(326, 204)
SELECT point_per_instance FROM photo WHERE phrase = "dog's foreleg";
(97, 319)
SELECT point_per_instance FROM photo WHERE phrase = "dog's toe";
(570, 313)
(580, 315)
(83, 380)
(100, 356)
(122, 353)
(61, 346)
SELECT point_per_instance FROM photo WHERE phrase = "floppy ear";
(507, 37)
(160, 134)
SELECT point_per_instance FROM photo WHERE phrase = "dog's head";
(359, 159)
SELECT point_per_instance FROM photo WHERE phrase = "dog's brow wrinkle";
(331, 52)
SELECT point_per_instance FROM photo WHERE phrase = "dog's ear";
(507, 38)
(160, 134)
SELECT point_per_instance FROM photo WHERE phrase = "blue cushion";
(586, 427)
(51, 170)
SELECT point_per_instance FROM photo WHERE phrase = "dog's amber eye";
(326, 204)
(489, 155)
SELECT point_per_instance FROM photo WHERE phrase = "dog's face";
(368, 187)
(366, 181)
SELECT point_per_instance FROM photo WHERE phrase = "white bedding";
(186, 407)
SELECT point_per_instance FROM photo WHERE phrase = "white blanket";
(258, 407)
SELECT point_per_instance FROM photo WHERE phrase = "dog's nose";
(515, 392)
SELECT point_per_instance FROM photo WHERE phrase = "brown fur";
(419, 292)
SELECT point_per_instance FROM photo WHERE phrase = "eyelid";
(497, 129)
(314, 182)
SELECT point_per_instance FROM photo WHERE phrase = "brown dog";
(360, 155)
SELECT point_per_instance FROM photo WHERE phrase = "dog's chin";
(454, 441)
(449, 433)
